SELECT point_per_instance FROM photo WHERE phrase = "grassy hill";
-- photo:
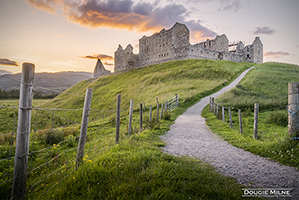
(190, 79)
(136, 168)
(267, 85)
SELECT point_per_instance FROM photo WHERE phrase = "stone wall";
(173, 44)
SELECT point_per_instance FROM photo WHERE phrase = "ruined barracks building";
(173, 44)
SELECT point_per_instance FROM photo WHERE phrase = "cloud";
(264, 30)
(277, 54)
(98, 56)
(105, 63)
(125, 14)
(233, 6)
(5, 61)
(49, 6)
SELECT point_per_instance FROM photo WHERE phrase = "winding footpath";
(190, 136)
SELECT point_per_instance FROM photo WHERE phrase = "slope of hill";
(59, 81)
(267, 85)
(190, 79)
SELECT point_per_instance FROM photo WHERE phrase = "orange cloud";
(5, 61)
(49, 6)
(125, 14)
(277, 54)
(98, 56)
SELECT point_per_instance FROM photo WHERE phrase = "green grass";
(188, 79)
(268, 86)
(136, 168)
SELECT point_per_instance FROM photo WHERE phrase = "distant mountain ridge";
(59, 81)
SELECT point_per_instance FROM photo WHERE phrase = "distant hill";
(59, 81)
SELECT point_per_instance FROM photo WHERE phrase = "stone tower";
(100, 70)
(257, 51)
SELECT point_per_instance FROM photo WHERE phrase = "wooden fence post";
(223, 119)
(161, 111)
(150, 116)
(256, 122)
(23, 132)
(157, 109)
(165, 107)
(230, 117)
(130, 117)
(240, 121)
(210, 104)
(217, 112)
(293, 108)
(140, 129)
(214, 109)
(84, 125)
(117, 118)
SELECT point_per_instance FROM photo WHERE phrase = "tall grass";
(267, 85)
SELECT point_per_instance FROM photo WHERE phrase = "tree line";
(15, 94)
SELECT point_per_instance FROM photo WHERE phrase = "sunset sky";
(68, 35)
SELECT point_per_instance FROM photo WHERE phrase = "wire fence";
(262, 124)
(54, 137)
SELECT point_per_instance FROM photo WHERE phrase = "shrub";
(53, 136)
(278, 117)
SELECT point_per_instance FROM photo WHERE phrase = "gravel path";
(190, 136)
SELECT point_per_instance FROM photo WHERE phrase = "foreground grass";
(136, 168)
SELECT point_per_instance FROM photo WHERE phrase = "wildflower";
(52, 195)
(74, 178)
(281, 155)
(84, 158)
(89, 161)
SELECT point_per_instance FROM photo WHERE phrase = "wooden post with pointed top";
(150, 115)
(130, 117)
(140, 128)
(240, 121)
(157, 109)
(23, 132)
(230, 117)
(117, 118)
(84, 126)
(223, 118)
(256, 121)
(293, 108)
(161, 111)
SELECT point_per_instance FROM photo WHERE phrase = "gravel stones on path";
(190, 136)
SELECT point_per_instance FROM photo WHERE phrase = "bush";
(53, 136)
(278, 117)
(167, 115)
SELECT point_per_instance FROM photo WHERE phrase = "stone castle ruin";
(173, 44)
